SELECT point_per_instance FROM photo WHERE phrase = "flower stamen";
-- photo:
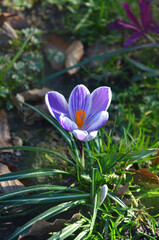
(80, 116)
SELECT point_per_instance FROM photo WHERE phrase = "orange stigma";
(152, 25)
(80, 116)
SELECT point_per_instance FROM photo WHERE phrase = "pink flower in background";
(84, 113)
(146, 24)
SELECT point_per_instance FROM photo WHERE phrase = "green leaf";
(31, 173)
(17, 55)
(95, 210)
(43, 150)
(106, 55)
(116, 199)
(42, 187)
(48, 198)
(81, 235)
(67, 231)
(138, 155)
(45, 215)
(142, 66)
(108, 161)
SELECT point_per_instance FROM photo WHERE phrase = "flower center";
(152, 25)
(80, 116)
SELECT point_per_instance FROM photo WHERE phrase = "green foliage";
(106, 163)
(22, 69)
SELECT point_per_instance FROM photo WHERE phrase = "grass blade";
(36, 149)
(106, 55)
(31, 173)
(42, 187)
(67, 231)
(46, 199)
(7, 68)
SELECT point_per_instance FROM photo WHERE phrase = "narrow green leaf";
(116, 199)
(35, 188)
(81, 235)
(106, 55)
(49, 198)
(45, 215)
(17, 55)
(31, 173)
(142, 66)
(67, 231)
(95, 210)
(138, 155)
(37, 149)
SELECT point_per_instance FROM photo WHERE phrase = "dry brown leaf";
(61, 54)
(42, 227)
(9, 30)
(5, 137)
(122, 190)
(73, 55)
(55, 49)
(30, 116)
(145, 178)
(36, 97)
(155, 161)
(5, 16)
(16, 21)
(127, 201)
(34, 94)
(8, 186)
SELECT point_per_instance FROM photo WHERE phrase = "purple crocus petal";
(67, 124)
(101, 98)
(91, 136)
(56, 104)
(127, 25)
(133, 39)
(80, 134)
(115, 25)
(80, 99)
(96, 121)
(153, 27)
(145, 14)
(131, 15)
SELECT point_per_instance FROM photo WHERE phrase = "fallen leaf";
(62, 54)
(30, 116)
(73, 55)
(41, 227)
(36, 98)
(122, 190)
(35, 94)
(8, 186)
(127, 201)
(97, 48)
(15, 21)
(55, 49)
(5, 138)
(5, 16)
(145, 178)
(155, 161)
(10, 30)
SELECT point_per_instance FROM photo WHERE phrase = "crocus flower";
(146, 24)
(84, 113)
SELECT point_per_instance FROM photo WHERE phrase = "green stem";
(150, 38)
(82, 154)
